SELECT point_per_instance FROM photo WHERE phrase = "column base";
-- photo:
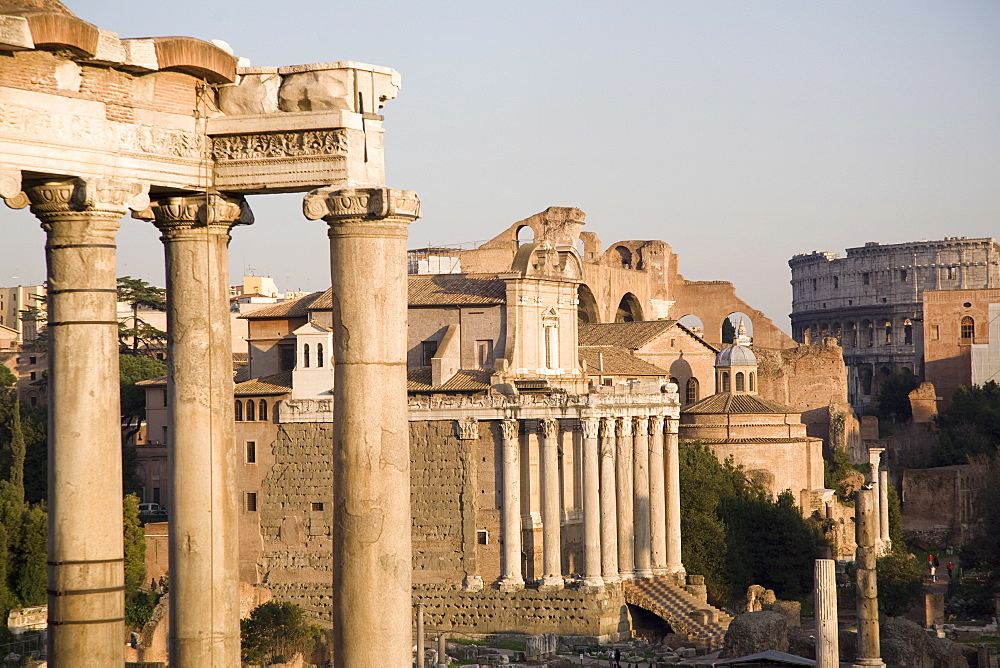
(626, 575)
(549, 582)
(660, 572)
(472, 583)
(644, 574)
(593, 581)
(510, 584)
(611, 579)
(868, 663)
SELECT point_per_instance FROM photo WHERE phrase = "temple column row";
(630, 498)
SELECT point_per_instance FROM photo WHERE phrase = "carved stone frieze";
(305, 410)
(333, 204)
(267, 145)
(73, 130)
(509, 428)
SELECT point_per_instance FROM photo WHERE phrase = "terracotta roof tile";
(466, 380)
(616, 361)
(279, 383)
(725, 402)
(632, 335)
(293, 308)
(456, 289)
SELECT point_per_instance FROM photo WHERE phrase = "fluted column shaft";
(551, 530)
(591, 504)
(883, 509)
(640, 455)
(609, 503)
(624, 473)
(204, 547)
(657, 497)
(673, 483)
(866, 532)
(511, 577)
(371, 448)
(85, 573)
(827, 639)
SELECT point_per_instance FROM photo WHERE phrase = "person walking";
(950, 567)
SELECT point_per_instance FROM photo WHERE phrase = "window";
(673, 343)
(262, 410)
(866, 278)
(887, 326)
(869, 333)
(33, 375)
(250, 411)
(814, 285)
(836, 282)
(739, 382)
(484, 353)
(156, 495)
(319, 355)
(286, 356)
(725, 381)
(907, 332)
(305, 355)
(482, 537)
(968, 329)
(250, 502)
(427, 351)
(33, 360)
(316, 505)
(691, 391)
(753, 382)
(951, 273)
(903, 275)
(239, 412)
(935, 332)
(164, 432)
(550, 329)
(251, 449)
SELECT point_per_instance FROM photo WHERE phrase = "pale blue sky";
(739, 132)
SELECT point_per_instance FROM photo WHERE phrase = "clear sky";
(740, 132)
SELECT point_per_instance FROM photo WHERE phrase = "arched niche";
(730, 327)
(586, 310)
(629, 309)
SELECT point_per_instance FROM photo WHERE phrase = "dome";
(736, 356)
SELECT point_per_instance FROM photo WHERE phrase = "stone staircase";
(686, 615)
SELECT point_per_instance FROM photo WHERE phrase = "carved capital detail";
(335, 205)
(591, 427)
(549, 427)
(656, 424)
(672, 424)
(467, 429)
(111, 197)
(184, 213)
(509, 428)
(641, 426)
(10, 189)
(607, 427)
(624, 427)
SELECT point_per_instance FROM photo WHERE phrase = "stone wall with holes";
(601, 615)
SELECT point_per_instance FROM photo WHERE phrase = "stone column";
(866, 531)
(640, 456)
(623, 470)
(673, 483)
(874, 459)
(204, 519)
(371, 449)
(609, 509)
(442, 650)
(511, 578)
(551, 530)
(85, 575)
(591, 504)
(420, 636)
(883, 510)
(825, 593)
(657, 496)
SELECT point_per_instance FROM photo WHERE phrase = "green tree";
(139, 604)
(982, 552)
(138, 294)
(896, 522)
(7, 377)
(893, 400)
(900, 583)
(728, 331)
(970, 425)
(274, 631)
(31, 575)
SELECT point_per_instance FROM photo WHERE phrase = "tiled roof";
(466, 380)
(456, 289)
(726, 402)
(153, 382)
(294, 308)
(754, 441)
(616, 361)
(279, 383)
(632, 335)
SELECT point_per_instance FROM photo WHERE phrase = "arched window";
(691, 391)
(525, 235)
(262, 410)
(239, 411)
(753, 382)
(852, 336)
(888, 332)
(305, 355)
(968, 329)
(907, 332)
(725, 381)
(250, 411)
(869, 328)
(740, 382)
(625, 256)
(319, 355)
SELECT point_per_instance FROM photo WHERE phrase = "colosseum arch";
(586, 310)
(629, 309)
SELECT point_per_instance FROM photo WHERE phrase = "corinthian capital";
(672, 423)
(591, 427)
(332, 204)
(509, 428)
(624, 427)
(112, 197)
(655, 424)
(549, 427)
(208, 210)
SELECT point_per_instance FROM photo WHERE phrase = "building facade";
(871, 300)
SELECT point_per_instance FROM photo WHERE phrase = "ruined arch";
(624, 256)
(586, 310)
(693, 323)
(629, 309)
(525, 235)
